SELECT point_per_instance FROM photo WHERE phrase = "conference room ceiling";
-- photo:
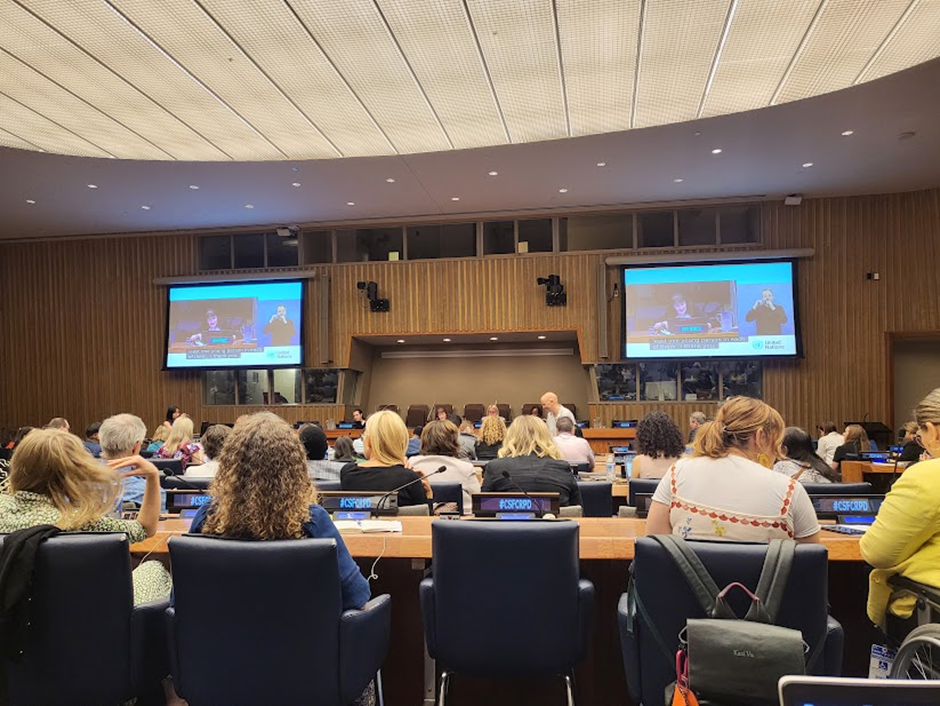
(261, 80)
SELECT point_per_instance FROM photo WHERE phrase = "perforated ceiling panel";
(257, 80)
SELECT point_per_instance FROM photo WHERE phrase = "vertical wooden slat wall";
(83, 324)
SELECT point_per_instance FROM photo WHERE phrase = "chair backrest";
(571, 511)
(473, 412)
(78, 648)
(448, 493)
(644, 486)
(417, 415)
(571, 408)
(180, 483)
(505, 411)
(421, 510)
(529, 572)
(597, 498)
(582, 467)
(169, 466)
(669, 601)
(838, 488)
(527, 408)
(389, 407)
(265, 611)
(328, 485)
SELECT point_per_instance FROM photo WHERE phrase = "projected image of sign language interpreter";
(769, 316)
(280, 328)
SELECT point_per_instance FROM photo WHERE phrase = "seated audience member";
(384, 440)
(492, 433)
(440, 446)
(359, 448)
(54, 481)
(856, 441)
(535, 411)
(905, 538)
(212, 442)
(20, 435)
(658, 445)
(493, 411)
(59, 424)
(532, 462)
(180, 445)
(721, 492)
(800, 462)
(911, 451)
(695, 421)
(263, 452)
(160, 435)
(315, 445)
(829, 441)
(91, 439)
(358, 420)
(121, 437)
(573, 449)
(343, 450)
(440, 414)
(414, 442)
(172, 414)
(468, 440)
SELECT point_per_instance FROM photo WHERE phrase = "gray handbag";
(723, 659)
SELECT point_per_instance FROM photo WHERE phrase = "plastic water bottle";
(610, 468)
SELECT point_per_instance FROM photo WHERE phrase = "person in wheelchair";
(904, 541)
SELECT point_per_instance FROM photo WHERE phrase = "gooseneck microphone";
(378, 505)
(537, 505)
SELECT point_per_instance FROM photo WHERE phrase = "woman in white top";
(659, 445)
(722, 493)
(829, 441)
(439, 447)
(800, 462)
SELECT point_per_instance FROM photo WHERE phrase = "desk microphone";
(185, 483)
(540, 513)
(378, 505)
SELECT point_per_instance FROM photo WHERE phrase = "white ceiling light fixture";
(602, 164)
(30, 201)
(494, 338)
(717, 150)
(295, 184)
(678, 181)
(807, 165)
(455, 198)
(446, 340)
(145, 208)
(194, 187)
(390, 180)
(92, 186)
(563, 191)
(401, 340)
(847, 133)
(494, 173)
(350, 203)
(541, 338)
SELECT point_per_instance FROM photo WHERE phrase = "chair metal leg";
(379, 694)
(445, 681)
(569, 687)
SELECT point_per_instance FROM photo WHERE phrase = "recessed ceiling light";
(807, 165)
(678, 181)
(494, 173)
(146, 208)
(717, 150)
(30, 201)
(350, 203)
(390, 180)
(295, 184)
(248, 205)
(494, 338)
(907, 135)
(563, 191)
(455, 198)
(193, 187)
(446, 340)
(92, 186)
(401, 340)
(846, 133)
(541, 338)
(602, 164)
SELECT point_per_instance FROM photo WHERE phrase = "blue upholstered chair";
(669, 601)
(538, 620)
(640, 486)
(88, 644)
(448, 493)
(838, 488)
(597, 498)
(263, 623)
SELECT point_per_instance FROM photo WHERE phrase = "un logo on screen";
(758, 345)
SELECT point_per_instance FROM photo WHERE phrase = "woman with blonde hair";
(855, 441)
(384, 441)
(180, 445)
(160, 435)
(262, 451)
(440, 446)
(725, 490)
(905, 539)
(53, 480)
(492, 433)
(529, 460)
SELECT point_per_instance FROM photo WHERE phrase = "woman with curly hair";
(492, 433)
(658, 444)
(262, 491)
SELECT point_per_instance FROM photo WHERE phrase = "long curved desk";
(607, 546)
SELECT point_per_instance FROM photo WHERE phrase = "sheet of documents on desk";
(368, 525)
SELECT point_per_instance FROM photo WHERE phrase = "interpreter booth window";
(739, 224)
(281, 251)
(249, 250)
(699, 381)
(616, 382)
(220, 387)
(656, 230)
(499, 238)
(318, 247)
(428, 242)
(741, 377)
(215, 252)
(697, 227)
(607, 232)
(369, 245)
(252, 387)
(658, 381)
(535, 235)
(321, 386)
(287, 383)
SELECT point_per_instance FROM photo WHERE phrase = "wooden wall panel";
(83, 324)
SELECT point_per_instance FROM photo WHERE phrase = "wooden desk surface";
(601, 538)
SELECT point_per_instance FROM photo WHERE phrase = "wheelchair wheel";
(919, 655)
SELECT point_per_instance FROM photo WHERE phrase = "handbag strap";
(772, 584)
(692, 569)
